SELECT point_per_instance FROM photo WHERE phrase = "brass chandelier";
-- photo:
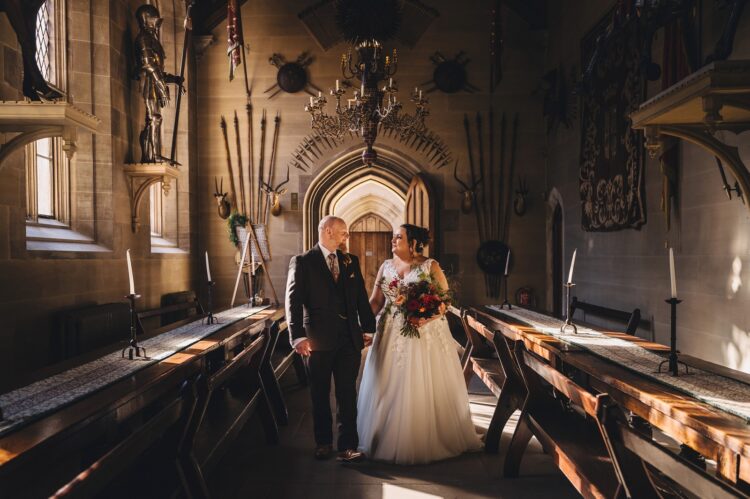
(372, 106)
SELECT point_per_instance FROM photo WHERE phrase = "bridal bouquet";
(417, 301)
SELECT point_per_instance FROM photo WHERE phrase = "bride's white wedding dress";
(413, 406)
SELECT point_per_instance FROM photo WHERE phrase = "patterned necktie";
(333, 266)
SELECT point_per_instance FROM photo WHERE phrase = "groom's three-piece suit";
(332, 313)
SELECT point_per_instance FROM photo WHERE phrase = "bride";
(413, 406)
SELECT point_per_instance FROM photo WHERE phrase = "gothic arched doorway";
(347, 188)
(370, 239)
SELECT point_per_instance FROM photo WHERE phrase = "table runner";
(718, 391)
(33, 401)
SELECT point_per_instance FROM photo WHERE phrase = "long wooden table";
(713, 433)
(40, 457)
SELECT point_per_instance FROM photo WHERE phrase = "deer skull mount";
(519, 203)
(223, 205)
(274, 195)
(469, 193)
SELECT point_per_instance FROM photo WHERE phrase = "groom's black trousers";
(343, 364)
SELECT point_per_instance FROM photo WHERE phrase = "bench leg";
(518, 445)
(507, 404)
(265, 411)
(273, 391)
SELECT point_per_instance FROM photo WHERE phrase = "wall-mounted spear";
(261, 162)
(233, 191)
(239, 164)
(467, 128)
(250, 167)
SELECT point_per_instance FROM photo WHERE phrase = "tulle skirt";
(413, 406)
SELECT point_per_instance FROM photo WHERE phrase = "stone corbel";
(703, 138)
(38, 120)
(142, 176)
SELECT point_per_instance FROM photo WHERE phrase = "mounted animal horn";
(223, 205)
(469, 193)
(274, 194)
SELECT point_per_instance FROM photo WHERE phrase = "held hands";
(303, 348)
(367, 337)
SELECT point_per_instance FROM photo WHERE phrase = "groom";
(328, 311)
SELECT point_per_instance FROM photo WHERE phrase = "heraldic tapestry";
(611, 181)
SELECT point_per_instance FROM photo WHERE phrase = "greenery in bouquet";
(419, 301)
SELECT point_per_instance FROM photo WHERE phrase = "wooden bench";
(569, 422)
(87, 329)
(631, 320)
(170, 415)
(190, 310)
(491, 358)
(228, 393)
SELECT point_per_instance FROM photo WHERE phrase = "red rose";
(412, 305)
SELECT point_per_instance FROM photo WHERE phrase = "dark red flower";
(412, 305)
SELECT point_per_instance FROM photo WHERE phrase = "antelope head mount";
(469, 193)
(274, 194)
(223, 206)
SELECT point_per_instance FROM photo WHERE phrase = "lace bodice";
(390, 275)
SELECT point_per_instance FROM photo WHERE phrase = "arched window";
(47, 167)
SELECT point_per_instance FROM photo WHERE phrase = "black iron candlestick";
(506, 302)
(210, 319)
(133, 349)
(569, 318)
(672, 360)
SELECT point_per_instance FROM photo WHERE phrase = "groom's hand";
(367, 337)
(303, 348)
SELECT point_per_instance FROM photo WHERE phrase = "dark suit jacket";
(310, 300)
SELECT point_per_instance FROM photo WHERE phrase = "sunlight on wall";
(735, 352)
(396, 492)
(735, 281)
(369, 196)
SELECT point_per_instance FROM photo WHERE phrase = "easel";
(251, 237)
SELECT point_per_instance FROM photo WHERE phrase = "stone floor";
(252, 468)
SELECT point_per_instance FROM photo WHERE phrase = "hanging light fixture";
(371, 106)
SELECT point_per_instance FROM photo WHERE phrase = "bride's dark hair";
(418, 234)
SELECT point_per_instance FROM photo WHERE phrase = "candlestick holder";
(569, 317)
(210, 319)
(133, 349)
(672, 361)
(505, 301)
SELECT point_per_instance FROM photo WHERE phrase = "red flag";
(234, 37)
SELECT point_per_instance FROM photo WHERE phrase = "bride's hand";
(422, 322)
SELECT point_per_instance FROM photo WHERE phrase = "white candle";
(362, 89)
(320, 94)
(390, 82)
(672, 280)
(572, 266)
(208, 269)
(311, 101)
(420, 95)
(337, 85)
(507, 262)
(130, 273)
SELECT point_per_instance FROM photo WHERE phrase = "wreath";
(235, 220)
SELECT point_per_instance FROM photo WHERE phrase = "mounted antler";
(274, 193)
(221, 199)
(469, 192)
(519, 203)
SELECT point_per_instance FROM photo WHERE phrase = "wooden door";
(420, 210)
(370, 239)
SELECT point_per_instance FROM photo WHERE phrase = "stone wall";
(710, 234)
(36, 286)
(274, 27)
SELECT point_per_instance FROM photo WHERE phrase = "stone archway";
(331, 189)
